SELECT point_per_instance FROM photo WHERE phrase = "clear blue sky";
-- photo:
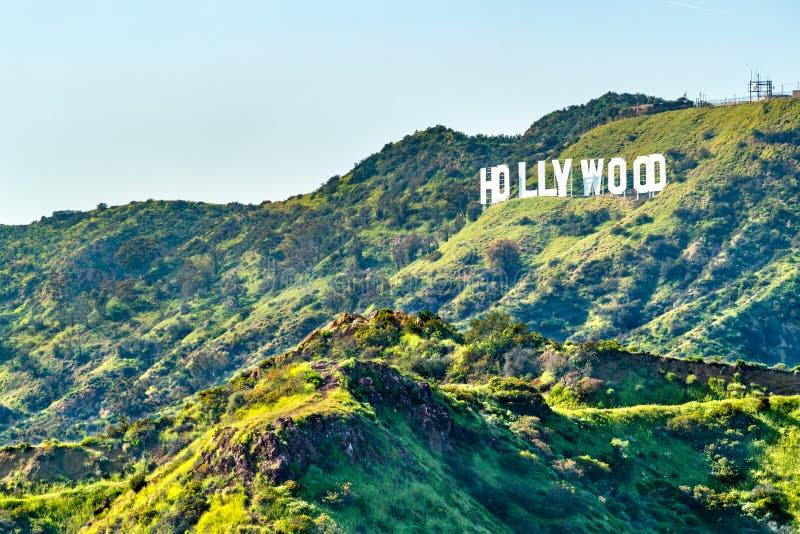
(246, 100)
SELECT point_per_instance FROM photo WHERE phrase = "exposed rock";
(283, 450)
(383, 386)
(346, 324)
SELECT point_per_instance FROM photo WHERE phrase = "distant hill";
(120, 312)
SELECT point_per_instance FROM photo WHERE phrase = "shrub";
(188, 508)
(767, 501)
(137, 482)
(568, 468)
(736, 390)
(561, 395)
(116, 310)
(406, 249)
(474, 210)
(725, 470)
(503, 255)
(299, 524)
(431, 367)
(213, 401)
(482, 327)
(236, 401)
(381, 332)
(712, 500)
(315, 379)
(137, 254)
(692, 426)
(519, 395)
(717, 386)
(593, 468)
(519, 362)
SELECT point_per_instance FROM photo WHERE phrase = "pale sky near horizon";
(247, 100)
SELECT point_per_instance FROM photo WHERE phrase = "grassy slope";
(86, 339)
(708, 267)
(597, 470)
(319, 441)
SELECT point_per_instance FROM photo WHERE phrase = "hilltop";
(118, 313)
(373, 423)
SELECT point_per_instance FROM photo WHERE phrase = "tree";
(407, 248)
(458, 222)
(519, 363)
(474, 210)
(482, 327)
(233, 289)
(138, 254)
(503, 255)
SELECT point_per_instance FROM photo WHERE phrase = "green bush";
(504, 256)
(116, 310)
(137, 482)
(767, 501)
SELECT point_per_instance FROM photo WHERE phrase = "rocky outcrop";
(49, 462)
(384, 387)
(284, 449)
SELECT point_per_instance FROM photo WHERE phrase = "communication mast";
(758, 88)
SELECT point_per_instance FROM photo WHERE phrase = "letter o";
(617, 176)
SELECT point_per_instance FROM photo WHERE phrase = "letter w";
(592, 170)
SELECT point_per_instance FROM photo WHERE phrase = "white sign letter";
(544, 191)
(592, 170)
(617, 176)
(562, 175)
(501, 176)
(487, 185)
(640, 186)
(661, 182)
(523, 191)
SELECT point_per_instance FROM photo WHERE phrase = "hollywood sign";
(649, 177)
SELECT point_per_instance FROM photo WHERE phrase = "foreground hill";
(117, 313)
(342, 434)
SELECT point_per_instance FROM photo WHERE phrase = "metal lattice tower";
(758, 88)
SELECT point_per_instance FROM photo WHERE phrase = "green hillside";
(118, 312)
(115, 314)
(706, 268)
(404, 424)
(121, 311)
